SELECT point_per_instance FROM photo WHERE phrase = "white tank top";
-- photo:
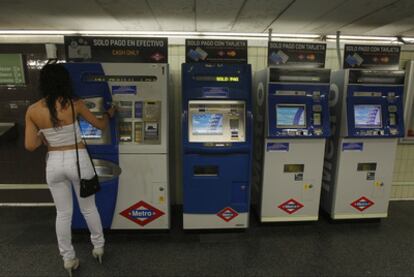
(62, 136)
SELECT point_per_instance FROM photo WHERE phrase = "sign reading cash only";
(116, 49)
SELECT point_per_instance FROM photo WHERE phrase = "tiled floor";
(28, 248)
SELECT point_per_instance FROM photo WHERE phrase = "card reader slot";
(206, 170)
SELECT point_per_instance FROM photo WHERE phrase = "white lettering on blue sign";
(277, 147)
(352, 146)
(142, 213)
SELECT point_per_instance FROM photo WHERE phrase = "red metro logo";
(362, 204)
(227, 214)
(142, 213)
(291, 206)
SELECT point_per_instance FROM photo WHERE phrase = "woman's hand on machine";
(111, 111)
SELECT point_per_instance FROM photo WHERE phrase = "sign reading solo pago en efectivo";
(116, 49)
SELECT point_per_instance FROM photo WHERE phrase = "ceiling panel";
(131, 14)
(301, 13)
(217, 15)
(358, 17)
(63, 15)
(409, 32)
(174, 15)
(397, 27)
(346, 12)
(256, 15)
(386, 15)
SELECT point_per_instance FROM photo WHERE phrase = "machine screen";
(88, 131)
(207, 124)
(290, 116)
(367, 116)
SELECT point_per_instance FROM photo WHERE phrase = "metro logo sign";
(142, 213)
(291, 206)
(227, 214)
(362, 204)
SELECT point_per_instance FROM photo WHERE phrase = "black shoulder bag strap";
(76, 144)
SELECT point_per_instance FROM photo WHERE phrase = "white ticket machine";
(366, 122)
(140, 93)
(291, 126)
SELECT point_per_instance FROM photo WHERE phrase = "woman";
(49, 121)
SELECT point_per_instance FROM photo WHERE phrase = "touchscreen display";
(290, 116)
(88, 131)
(367, 116)
(207, 124)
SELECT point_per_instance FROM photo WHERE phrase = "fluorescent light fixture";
(230, 35)
(314, 36)
(348, 37)
(408, 39)
(366, 41)
(153, 33)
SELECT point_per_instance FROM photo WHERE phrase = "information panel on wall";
(215, 51)
(116, 49)
(12, 70)
(372, 56)
(296, 54)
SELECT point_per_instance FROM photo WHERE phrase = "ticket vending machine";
(366, 121)
(217, 138)
(140, 93)
(291, 127)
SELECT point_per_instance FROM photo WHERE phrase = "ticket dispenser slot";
(207, 170)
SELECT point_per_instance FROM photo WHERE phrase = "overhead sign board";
(116, 49)
(372, 56)
(296, 54)
(215, 51)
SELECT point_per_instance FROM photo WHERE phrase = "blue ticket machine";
(89, 85)
(292, 124)
(217, 145)
(366, 122)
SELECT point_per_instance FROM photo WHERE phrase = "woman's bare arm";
(31, 140)
(99, 123)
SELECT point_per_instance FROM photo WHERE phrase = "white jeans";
(61, 175)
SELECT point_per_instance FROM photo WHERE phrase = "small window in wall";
(12, 70)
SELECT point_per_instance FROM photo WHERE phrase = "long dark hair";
(55, 85)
